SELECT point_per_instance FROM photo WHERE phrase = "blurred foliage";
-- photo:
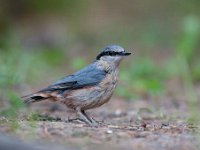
(29, 6)
(15, 104)
(186, 50)
(190, 37)
(78, 63)
(16, 68)
(142, 78)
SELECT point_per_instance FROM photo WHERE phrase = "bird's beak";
(126, 53)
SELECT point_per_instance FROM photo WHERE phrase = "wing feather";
(88, 76)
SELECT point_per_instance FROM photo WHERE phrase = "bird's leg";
(84, 118)
(97, 123)
(90, 118)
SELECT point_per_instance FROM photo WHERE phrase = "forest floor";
(138, 124)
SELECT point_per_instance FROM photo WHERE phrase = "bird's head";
(112, 54)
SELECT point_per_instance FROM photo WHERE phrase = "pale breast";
(108, 85)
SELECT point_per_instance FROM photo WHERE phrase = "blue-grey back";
(88, 76)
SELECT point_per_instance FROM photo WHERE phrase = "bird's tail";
(36, 97)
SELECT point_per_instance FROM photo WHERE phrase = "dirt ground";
(136, 124)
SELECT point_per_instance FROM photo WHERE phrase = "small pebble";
(118, 112)
(109, 131)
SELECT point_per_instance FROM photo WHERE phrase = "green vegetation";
(143, 77)
(18, 67)
(185, 53)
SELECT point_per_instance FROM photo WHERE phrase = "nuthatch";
(87, 88)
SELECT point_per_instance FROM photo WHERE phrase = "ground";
(134, 124)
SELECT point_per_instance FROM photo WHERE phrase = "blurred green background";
(41, 41)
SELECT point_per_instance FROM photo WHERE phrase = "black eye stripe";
(109, 53)
(112, 53)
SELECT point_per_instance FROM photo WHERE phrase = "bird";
(87, 88)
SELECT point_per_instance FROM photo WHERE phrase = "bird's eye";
(112, 53)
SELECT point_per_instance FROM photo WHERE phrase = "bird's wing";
(88, 76)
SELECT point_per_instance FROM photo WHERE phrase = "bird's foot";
(76, 120)
(91, 122)
(99, 123)
(81, 120)
(85, 118)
